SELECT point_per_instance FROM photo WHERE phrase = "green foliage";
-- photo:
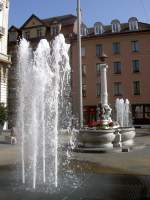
(3, 114)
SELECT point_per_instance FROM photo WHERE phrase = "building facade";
(33, 30)
(127, 46)
(5, 60)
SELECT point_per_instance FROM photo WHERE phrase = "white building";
(4, 58)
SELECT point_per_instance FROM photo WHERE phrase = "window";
(27, 34)
(117, 89)
(136, 87)
(1, 6)
(83, 51)
(135, 66)
(117, 67)
(4, 73)
(12, 36)
(98, 69)
(99, 50)
(7, 3)
(133, 24)
(98, 89)
(39, 32)
(141, 113)
(84, 90)
(84, 70)
(116, 26)
(147, 112)
(83, 31)
(54, 29)
(135, 46)
(138, 111)
(98, 28)
(116, 47)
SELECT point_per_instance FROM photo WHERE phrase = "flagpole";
(79, 64)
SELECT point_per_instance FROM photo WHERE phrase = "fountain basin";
(127, 136)
(99, 139)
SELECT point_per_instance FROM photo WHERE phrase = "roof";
(13, 28)
(32, 16)
(124, 29)
(64, 19)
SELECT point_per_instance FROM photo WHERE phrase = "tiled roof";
(124, 28)
(64, 19)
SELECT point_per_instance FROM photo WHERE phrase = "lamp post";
(79, 64)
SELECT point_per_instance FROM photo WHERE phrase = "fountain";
(43, 78)
(101, 137)
(107, 134)
(126, 130)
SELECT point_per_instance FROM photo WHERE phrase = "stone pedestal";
(95, 139)
(124, 137)
(127, 136)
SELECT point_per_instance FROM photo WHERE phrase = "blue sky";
(93, 10)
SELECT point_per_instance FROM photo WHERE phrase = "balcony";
(2, 31)
(5, 58)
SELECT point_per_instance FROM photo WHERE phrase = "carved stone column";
(104, 94)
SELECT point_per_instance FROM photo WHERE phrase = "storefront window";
(139, 111)
(147, 112)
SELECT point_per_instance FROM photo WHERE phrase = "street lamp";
(79, 64)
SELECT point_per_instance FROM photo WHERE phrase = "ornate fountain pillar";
(105, 113)
(101, 137)
(104, 94)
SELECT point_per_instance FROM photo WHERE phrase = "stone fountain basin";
(127, 136)
(101, 138)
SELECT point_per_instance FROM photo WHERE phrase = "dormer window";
(133, 24)
(98, 28)
(83, 30)
(116, 26)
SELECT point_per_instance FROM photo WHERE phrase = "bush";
(3, 114)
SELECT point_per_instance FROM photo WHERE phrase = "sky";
(92, 10)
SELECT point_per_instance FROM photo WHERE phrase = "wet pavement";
(80, 186)
(105, 176)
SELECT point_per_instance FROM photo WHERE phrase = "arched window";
(98, 28)
(116, 26)
(133, 24)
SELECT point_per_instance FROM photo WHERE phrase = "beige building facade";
(128, 49)
(127, 46)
